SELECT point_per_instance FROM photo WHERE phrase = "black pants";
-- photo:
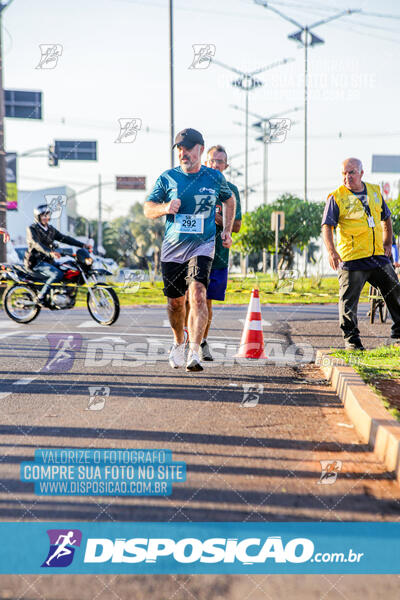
(351, 284)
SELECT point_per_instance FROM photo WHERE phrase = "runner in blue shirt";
(187, 196)
(217, 158)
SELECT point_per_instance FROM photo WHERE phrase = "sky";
(115, 64)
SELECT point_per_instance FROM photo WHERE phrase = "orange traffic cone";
(252, 342)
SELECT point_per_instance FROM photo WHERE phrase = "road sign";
(75, 150)
(277, 220)
(11, 180)
(130, 183)
(385, 163)
(21, 104)
(386, 188)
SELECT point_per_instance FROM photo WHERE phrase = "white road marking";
(24, 381)
(263, 323)
(115, 340)
(89, 324)
(4, 335)
(143, 335)
(36, 336)
(10, 325)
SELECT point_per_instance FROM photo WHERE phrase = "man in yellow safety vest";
(364, 244)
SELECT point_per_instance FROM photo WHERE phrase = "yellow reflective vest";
(355, 238)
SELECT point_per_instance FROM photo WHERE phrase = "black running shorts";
(178, 276)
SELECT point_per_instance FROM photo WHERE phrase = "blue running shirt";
(192, 231)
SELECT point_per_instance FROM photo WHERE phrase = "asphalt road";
(256, 460)
(253, 462)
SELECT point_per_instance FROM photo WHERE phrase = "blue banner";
(194, 548)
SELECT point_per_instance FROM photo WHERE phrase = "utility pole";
(267, 135)
(171, 79)
(268, 131)
(3, 184)
(248, 82)
(100, 221)
(306, 38)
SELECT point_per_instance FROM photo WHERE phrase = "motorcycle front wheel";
(103, 304)
(20, 304)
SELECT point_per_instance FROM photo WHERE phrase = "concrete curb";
(372, 421)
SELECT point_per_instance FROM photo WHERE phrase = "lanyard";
(365, 206)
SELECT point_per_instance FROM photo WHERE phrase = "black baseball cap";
(188, 138)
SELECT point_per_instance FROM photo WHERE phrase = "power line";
(379, 15)
(365, 33)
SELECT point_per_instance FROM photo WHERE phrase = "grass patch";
(373, 366)
(305, 290)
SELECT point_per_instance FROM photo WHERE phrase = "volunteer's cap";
(188, 138)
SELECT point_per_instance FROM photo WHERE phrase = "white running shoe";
(193, 362)
(177, 354)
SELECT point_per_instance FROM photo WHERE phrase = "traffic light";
(53, 157)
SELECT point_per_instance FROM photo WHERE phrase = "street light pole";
(246, 157)
(3, 184)
(265, 163)
(305, 110)
(100, 222)
(268, 132)
(248, 82)
(171, 79)
(302, 36)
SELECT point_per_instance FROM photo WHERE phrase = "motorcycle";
(20, 299)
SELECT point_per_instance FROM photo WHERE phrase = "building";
(63, 200)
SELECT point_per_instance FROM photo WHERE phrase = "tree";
(131, 239)
(394, 207)
(302, 223)
(119, 243)
(148, 233)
